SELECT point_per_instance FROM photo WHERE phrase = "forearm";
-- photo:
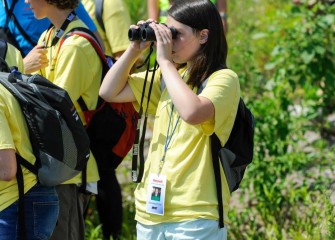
(153, 9)
(191, 108)
(7, 164)
(222, 6)
(116, 78)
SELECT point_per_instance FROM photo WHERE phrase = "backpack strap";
(138, 147)
(3, 52)
(215, 147)
(99, 8)
(87, 34)
(20, 184)
(10, 15)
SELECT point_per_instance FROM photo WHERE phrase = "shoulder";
(115, 5)
(226, 74)
(76, 41)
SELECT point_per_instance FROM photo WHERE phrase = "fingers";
(162, 32)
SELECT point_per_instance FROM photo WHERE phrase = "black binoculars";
(146, 33)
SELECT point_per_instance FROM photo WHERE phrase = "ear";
(203, 36)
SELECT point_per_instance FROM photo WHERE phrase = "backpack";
(111, 127)
(238, 151)
(236, 154)
(58, 137)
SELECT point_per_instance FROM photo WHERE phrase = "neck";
(58, 17)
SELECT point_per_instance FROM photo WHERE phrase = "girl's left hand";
(164, 42)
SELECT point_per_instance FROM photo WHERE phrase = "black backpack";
(235, 155)
(58, 137)
(111, 127)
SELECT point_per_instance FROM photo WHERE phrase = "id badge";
(156, 194)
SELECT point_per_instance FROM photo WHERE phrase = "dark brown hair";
(64, 4)
(199, 15)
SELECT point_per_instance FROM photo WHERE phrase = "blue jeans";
(41, 213)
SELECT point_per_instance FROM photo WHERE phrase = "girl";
(179, 161)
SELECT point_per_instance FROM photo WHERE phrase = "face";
(38, 7)
(186, 44)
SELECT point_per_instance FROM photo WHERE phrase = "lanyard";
(60, 32)
(168, 138)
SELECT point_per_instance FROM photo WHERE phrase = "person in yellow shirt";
(113, 21)
(13, 57)
(41, 202)
(75, 67)
(179, 161)
(114, 25)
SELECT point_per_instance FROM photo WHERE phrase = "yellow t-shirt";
(76, 68)
(14, 57)
(14, 135)
(116, 20)
(188, 167)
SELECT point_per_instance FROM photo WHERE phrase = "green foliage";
(285, 58)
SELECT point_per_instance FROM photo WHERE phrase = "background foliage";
(284, 55)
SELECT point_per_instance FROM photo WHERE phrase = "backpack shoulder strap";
(9, 10)
(86, 33)
(215, 147)
(12, 89)
(3, 49)
(21, 217)
(99, 8)
(10, 15)
(3, 52)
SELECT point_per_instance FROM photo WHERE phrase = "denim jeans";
(41, 213)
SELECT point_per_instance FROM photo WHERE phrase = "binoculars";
(146, 33)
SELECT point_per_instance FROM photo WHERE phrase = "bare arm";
(153, 9)
(7, 164)
(223, 7)
(192, 108)
(114, 87)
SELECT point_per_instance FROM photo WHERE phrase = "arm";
(7, 164)
(114, 87)
(192, 108)
(222, 7)
(153, 9)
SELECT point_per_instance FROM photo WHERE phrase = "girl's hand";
(164, 42)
